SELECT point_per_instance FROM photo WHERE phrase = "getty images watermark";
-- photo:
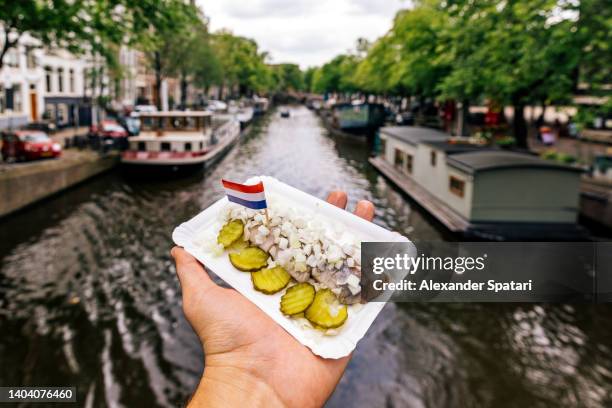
(487, 272)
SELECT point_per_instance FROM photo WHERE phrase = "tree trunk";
(519, 126)
(462, 118)
(158, 80)
(184, 85)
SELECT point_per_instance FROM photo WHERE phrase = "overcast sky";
(307, 32)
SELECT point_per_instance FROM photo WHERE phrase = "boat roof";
(454, 148)
(185, 137)
(474, 162)
(414, 134)
(173, 114)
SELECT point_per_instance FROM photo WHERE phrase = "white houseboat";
(482, 192)
(178, 140)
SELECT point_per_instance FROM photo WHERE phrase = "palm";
(245, 338)
(245, 348)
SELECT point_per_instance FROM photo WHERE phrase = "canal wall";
(24, 184)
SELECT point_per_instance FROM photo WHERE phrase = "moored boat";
(482, 192)
(179, 140)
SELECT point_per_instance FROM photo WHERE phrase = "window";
(141, 146)
(399, 158)
(187, 147)
(409, 163)
(457, 186)
(383, 146)
(60, 79)
(71, 80)
(432, 158)
(165, 147)
(30, 58)
(17, 105)
(12, 58)
(48, 79)
(2, 100)
(201, 146)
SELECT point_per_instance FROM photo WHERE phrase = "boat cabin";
(472, 184)
(173, 131)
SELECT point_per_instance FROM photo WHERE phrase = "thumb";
(190, 272)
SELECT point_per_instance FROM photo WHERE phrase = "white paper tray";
(360, 317)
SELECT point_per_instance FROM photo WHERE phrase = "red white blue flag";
(252, 196)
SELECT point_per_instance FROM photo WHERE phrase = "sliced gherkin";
(297, 299)
(249, 259)
(230, 233)
(326, 311)
(270, 280)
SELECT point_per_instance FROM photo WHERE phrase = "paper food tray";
(360, 317)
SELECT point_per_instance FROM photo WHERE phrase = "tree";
(157, 30)
(242, 64)
(514, 53)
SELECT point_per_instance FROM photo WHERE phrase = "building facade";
(38, 84)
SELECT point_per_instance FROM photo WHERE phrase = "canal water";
(89, 297)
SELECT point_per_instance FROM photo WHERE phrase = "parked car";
(145, 108)
(131, 124)
(44, 125)
(216, 106)
(109, 131)
(285, 113)
(404, 119)
(22, 145)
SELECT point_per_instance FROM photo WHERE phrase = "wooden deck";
(451, 220)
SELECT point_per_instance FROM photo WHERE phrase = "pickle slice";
(230, 233)
(297, 299)
(326, 312)
(238, 245)
(270, 280)
(249, 259)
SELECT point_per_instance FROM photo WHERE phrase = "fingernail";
(337, 198)
(365, 210)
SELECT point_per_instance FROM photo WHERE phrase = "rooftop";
(174, 114)
(414, 134)
(453, 148)
(473, 162)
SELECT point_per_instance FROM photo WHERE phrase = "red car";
(110, 133)
(28, 145)
(108, 129)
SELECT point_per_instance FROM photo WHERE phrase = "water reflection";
(88, 297)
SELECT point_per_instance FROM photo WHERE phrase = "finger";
(365, 210)
(337, 198)
(190, 272)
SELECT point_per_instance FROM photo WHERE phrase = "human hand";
(251, 360)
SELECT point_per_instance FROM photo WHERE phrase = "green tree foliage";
(511, 52)
(288, 77)
(338, 75)
(242, 64)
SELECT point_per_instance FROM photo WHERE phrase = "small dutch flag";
(252, 196)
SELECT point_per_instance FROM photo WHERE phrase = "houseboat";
(482, 192)
(179, 140)
(260, 106)
(358, 117)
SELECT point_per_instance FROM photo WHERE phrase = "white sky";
(307, 32)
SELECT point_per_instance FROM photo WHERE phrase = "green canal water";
(89, 297)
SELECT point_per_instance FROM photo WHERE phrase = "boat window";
(201, 145)
(433, 158)
(141, 146)
(383, 146)
(165, 147)
(187, 147)
(457, 186)
(409, 163)
(399, 158)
